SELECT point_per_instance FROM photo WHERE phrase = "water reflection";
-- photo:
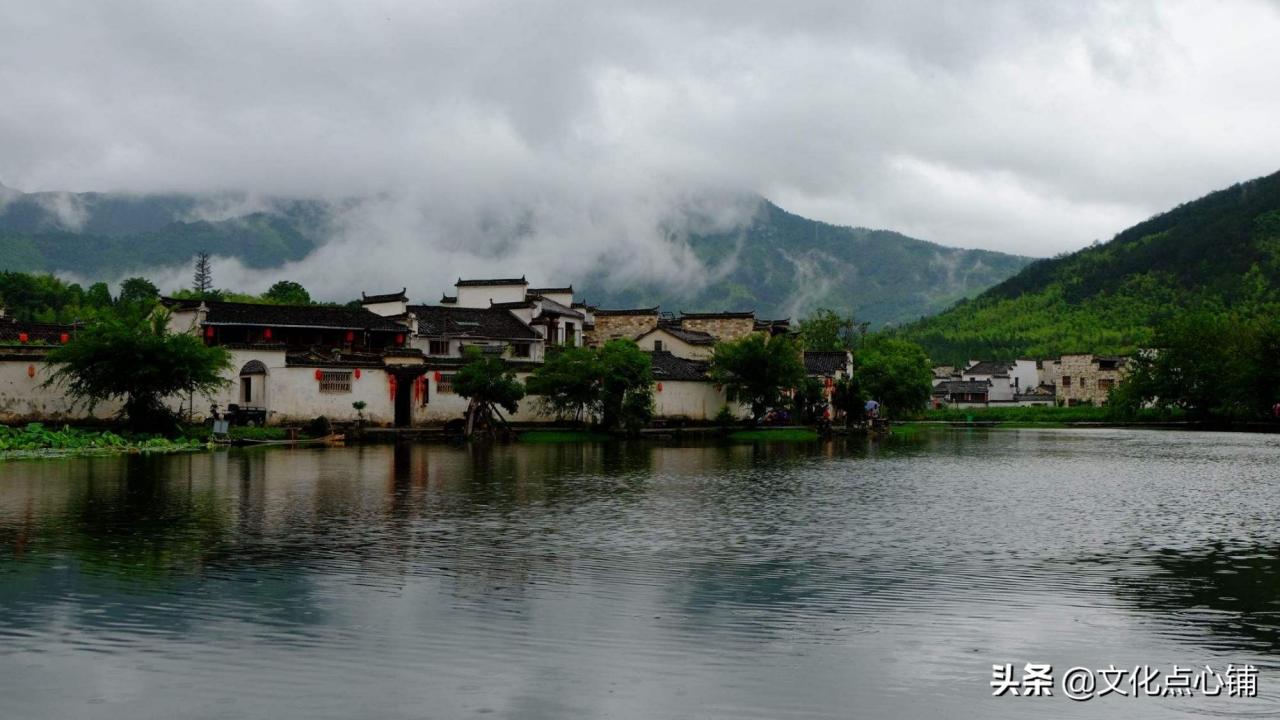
(630, 579)
(1231, 590)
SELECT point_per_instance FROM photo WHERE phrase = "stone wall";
(1082, 379)
(720, 328)
(613, 326)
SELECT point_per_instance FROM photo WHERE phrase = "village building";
(23, 372)
(292, 363)
(962, 393)
(828, 368)
(616, 324)
(991, 383)
(398, 360)
(1083, 379)
(668, 337)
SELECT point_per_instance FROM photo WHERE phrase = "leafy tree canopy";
(625, 386)
(487, 380)
(132, 357)
(138, 291)
(894, 372)
(568, 382)
(756, 370)
(1208, 364)
(826, 329)
(287, 292)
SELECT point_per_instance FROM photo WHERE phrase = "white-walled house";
(23, 372)
(293, 363)
(689, 344)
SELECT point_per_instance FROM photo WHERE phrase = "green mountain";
(784, 265)
(1221, 251)
(102, 235)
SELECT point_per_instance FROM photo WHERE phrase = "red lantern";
(266, 334)
(399, 339)
(23, 337)
(659, 387)
(830, 382)
(357, 373)
(351, 336)
(208, 331)
(438, 376)
(31, 371)
(64, 338)
(319, 373)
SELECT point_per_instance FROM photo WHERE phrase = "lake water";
(634, 580)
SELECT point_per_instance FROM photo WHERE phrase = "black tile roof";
(496, 281)
(551, 307)
(388, 297)
(492, 323)
(634, 311)
(551, 290)
(449, 299)
(303, 316)
(989, 367)
(953, 387)
(693, 337)
(718, 315)
(669, 367)
(825, 363)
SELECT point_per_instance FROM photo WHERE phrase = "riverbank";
(1082, 416)
(35, 440)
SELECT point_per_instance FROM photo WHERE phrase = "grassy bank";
(562, 436)
(778, 435)
(36, 440)
(1041, 415)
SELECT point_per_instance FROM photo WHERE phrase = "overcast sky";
(1027, 127)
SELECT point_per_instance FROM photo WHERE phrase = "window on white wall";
(445, 385)
(335, 381)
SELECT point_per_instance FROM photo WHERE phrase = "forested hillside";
(1221, 251)
(783, 264)
(102, 236)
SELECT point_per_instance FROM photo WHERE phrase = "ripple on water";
(635, 580)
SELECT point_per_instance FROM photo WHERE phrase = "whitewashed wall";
(695, 400)
(674, 345)
(22, 399)
(482, 296)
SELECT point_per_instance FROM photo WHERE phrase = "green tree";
(138, 291)
(202, 281)
(808, 400)
(894, 372)
(756, 370)
(98, 296)
(133, 358)
(847, 398)
(625, 385)
(287, 292)
(1209, 364)
(568, 382)
(488, 383)
(826, 329)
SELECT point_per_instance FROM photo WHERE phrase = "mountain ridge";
(1221, 250)
(779, 264)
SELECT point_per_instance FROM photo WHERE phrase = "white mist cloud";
(548, 138)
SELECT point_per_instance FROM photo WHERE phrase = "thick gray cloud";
(555, 136)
